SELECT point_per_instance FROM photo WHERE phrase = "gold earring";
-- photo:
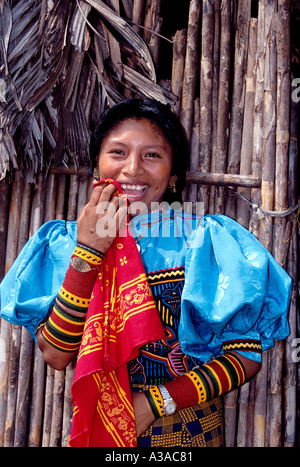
(172, 183)
(96, 174)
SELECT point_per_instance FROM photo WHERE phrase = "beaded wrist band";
(88, 254)
(155, 400)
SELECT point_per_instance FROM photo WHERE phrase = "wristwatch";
(169, 407)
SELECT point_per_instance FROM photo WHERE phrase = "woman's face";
(137, 155)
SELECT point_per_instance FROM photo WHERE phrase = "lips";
(134, 191)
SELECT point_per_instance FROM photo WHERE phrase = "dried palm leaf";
(151, 90)
(49, 48)
(128, 34)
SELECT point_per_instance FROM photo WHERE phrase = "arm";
(60, 336)
(184, 390)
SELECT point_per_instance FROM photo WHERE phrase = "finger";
(107, 192)
(102, 193)
(96, 194)
(106, 204)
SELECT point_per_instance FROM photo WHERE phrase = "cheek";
(106, 168)
(163, 176)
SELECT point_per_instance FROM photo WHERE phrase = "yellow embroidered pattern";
(73, 299)
(198, 383)
(254, 346)
(88, 256)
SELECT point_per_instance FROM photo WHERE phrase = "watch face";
(170, 407)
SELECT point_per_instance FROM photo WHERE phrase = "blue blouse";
(233, 288)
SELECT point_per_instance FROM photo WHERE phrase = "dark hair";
(164, 118)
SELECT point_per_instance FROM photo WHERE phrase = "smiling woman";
(178, 320)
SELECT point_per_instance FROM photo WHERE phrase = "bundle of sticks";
(230, 83)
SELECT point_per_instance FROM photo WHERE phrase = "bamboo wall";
(231, 74)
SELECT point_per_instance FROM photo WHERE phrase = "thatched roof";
(62, 63)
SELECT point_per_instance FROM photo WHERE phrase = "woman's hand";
(100, 220)
(143, 414)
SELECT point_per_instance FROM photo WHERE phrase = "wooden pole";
(192, 189)
(9, 333)
(223, 101)
(269, 122)
(4, 203)
(238, 90)
(206, 88)
(50, 407)
(256, 408)
(179, 48)
(247, 135)
(258, 117)
(4, 219)
(57, 412)
(261, 416)
(290, 365)
(24, 383)
(69, 373)
(224, 179)
(215, 96)
(153, 22)
(137, 14)
(238, 95)
(38, 374)
(26, 345)
(282, 24)
(191, 64)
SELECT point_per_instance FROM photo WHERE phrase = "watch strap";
(167, 399)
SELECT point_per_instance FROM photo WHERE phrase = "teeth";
(133, 187)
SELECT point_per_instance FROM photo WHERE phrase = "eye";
(153, 155)
(119, 152)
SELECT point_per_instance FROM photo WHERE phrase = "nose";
(133, 165)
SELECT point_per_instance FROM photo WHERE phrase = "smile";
(134, 191)
(134, 187)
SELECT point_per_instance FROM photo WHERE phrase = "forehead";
(142, 125)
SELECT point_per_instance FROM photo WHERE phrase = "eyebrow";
(149, 146)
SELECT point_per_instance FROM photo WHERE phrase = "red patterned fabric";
(121, 317)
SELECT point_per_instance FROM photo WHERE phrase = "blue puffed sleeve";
(29, 288)
(234, 289)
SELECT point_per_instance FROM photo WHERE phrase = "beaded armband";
(63, 330)
(189, 389)
(65, 325)
(77, 287)
(201, 385)
(225, 373)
